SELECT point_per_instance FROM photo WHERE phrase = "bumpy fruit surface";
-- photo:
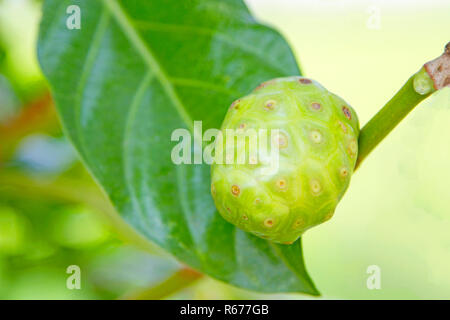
(317, 150)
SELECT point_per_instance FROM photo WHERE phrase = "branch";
(434, 75)
(439, 69)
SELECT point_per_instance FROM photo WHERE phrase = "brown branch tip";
(439, 69)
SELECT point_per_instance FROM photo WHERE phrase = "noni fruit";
(279, 189)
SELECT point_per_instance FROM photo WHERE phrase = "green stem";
(434, 75)
(387, 119)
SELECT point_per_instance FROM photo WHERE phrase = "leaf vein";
(87, 69)
(165, 27)
(149, 58)
(135, 104)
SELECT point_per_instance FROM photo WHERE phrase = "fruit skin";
(317, 154)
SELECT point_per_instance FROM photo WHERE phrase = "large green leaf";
(134, 72)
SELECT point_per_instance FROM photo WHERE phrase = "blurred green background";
(395, 215)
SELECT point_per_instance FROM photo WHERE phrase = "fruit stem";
(387, 119)
(434, 75)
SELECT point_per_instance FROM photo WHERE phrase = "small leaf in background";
(135, 72)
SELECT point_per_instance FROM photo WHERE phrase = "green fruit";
(317, 150)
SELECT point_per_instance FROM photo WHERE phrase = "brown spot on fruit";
(235, 190)
(315, 136)
(213, 189)
(257, 201)
(244, 217)
(343, 172)
(268, 223)
(347, 112)
(281, 184)
(235, 104)
(281, 140)
(353, 148)
(305, 81)
(298, 223)
(316, 106)
(316, 188)
(242, 126)
(343, 126)
(269, 105)
(264, 84)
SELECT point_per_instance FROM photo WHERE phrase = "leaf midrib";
(155, 69)
(149, 58)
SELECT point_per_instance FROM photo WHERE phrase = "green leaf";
(136, 71)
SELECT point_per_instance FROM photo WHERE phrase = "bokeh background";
(395, 215)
